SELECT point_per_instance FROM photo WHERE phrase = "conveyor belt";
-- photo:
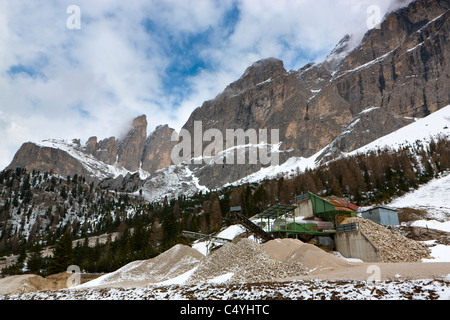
(260, 233)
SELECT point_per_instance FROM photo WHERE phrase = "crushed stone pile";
(245, 261)
(168, 265)
(52, 282)
(311, 256)
(30, 283)
(393, 247)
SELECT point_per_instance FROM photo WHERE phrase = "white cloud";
(93, 81)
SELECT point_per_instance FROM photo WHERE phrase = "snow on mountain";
(182, 179)
(171, 182)
(177, 180)
(421, 131)
(433, 197)
(340, 52)
(286, 169)
(94, 166)
(368, 64)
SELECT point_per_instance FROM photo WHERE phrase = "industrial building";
(321, 221)
(317, 220)
(310, 218)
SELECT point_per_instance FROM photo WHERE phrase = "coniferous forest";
(43, 210)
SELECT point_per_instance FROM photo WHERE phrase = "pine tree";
(36, 262)
(170, 228)
(63, 255)
(215, 214)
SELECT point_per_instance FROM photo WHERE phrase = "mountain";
(399, 70)
(419, 133)
(361, 92)
(358, 94)
(98, 160)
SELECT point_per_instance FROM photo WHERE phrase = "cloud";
(159, 58)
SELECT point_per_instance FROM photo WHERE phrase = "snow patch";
(95, 167)
(171, 182)
(439, 252)
(285, 169)
(222, 278)
(430, 197)
(369, 110)
(423, 130)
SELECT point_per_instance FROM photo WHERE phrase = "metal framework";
(249, 225)
(280, 212)
(275, 212)
(201, 236)
(347, 227)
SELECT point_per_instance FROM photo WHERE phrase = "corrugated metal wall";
(381, 216)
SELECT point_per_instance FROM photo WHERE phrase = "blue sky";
(161, 58)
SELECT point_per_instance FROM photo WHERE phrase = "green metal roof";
(320, 205)
(276, 210)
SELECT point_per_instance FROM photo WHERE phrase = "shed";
(382, 215)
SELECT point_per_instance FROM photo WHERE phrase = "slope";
(422, 131)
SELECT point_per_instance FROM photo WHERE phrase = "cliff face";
(401, 69)
(104, 150)
(356, 95)
(158, 146)
(108, 158)
(131, 148)
(403, 66)
(34, 157)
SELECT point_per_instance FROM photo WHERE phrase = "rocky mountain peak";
(399, 27)
(133, 145)
(259, 72)
(157, 149)
(140, 122)
(264, 69)
(340, 51)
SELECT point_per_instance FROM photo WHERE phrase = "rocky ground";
(245, 261)
(430, 289)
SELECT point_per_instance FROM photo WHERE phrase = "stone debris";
(168, 265)
(247, 261)
(393, 247)
(311, 256)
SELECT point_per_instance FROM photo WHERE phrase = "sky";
(82, 68)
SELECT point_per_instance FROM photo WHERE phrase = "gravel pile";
(311, 256)
(245, 261)
(168, 265)
(393, 247)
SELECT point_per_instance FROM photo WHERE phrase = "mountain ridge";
(355, 96)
